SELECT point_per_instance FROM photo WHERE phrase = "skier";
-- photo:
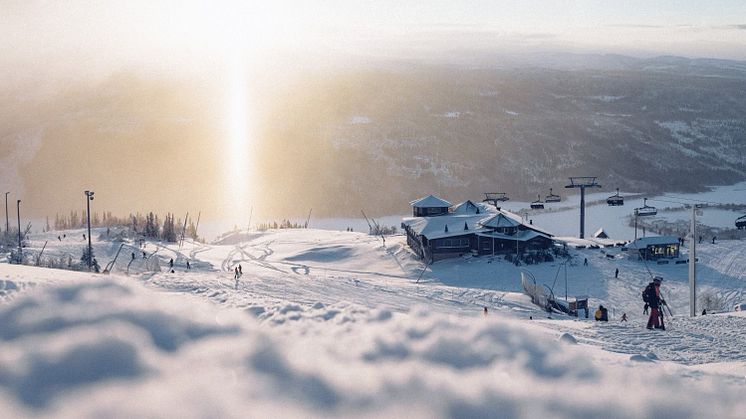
(188, 266)
(713, 239)
(59, 238)
(83, 237)
(143, 255)
(585, 262)
(240, 270)
(235, 274)
(624, 317)
(133, 255)
(171, 263)
(485, 311)
(652, 298)
(616, 273)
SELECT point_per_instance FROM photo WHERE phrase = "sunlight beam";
(239, 142)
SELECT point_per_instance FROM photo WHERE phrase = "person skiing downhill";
(652, 298)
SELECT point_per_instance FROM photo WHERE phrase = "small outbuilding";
(656, 247)
(429, 206)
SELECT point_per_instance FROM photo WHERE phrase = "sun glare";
(239, 139)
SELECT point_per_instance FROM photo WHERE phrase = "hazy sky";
(97, 34)
(46, 44)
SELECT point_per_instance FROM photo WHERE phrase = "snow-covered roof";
(435, 227)
(430, 201)
(507, 219)
(468, 207)
(600, 234)
(644, 242)
(502, 219)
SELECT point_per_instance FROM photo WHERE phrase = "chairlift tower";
(582, 182)
(495, 197)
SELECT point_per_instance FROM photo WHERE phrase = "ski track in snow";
(310, 267)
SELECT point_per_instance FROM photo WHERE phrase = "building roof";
(468, 207)
(644, 242)
(435, 227)
(600, 234)
(430, 201)
(502, 219)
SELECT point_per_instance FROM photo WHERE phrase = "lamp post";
(7, 224)
(18, 211)
(88, 199)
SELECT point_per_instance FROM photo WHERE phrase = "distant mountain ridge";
(385, 137)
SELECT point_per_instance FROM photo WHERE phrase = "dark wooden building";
(430, 206)
(469, 228)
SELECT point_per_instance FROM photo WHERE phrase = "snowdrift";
(110, 347)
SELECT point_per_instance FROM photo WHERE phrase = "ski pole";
(667, 307)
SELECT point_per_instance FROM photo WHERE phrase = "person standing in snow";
(585, 262)
(601, 314)
(616, 273)
(188, 266)
(652, 298)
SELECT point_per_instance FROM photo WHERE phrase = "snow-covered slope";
(336, 324)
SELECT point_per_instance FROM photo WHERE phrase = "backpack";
(648, 293)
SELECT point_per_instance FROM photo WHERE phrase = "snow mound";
(568, 338)
(78, 335)
(108, 348)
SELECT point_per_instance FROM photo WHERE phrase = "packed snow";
(329, 323)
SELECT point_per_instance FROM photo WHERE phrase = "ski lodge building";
(439, 230)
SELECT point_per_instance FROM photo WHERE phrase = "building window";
(453, 243)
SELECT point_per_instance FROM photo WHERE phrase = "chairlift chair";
(552, 197)
(615, 200)
(646, 210)
(537, 205)
(741, 222)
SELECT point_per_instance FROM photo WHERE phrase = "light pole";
(88, 199)
(7, 224)
(693, 265)
(18, 211)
